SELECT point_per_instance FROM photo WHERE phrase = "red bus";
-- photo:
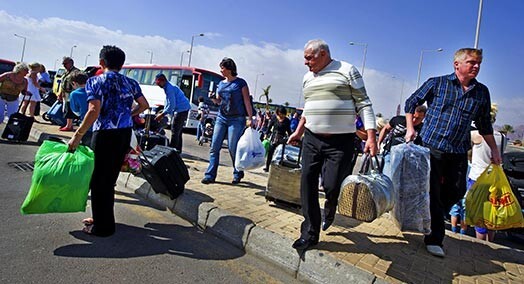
(6, 65)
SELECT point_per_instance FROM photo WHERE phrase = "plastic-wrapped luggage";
(410, 169)
(283, 183)
(367, 195)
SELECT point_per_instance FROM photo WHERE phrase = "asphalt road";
(150, 246)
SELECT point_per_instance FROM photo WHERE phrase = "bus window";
(148, 77)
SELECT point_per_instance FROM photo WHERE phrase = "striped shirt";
(451, 111)
(333, 97)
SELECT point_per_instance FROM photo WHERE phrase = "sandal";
(88, 221)
(88, 229)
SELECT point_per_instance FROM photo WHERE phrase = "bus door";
(186, 85)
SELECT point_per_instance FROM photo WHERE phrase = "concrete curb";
(312, 266)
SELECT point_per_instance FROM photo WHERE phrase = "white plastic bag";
(250, 151)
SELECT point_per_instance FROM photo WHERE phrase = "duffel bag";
(367, 195)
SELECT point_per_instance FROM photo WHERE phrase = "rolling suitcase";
(148, 140)
(165, 170)
(55, 114)
(283, 183)
(18, 127)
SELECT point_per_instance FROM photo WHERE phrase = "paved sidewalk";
(349, 252)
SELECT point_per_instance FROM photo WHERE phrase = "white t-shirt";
(481, 156)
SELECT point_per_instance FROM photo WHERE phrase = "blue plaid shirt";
(451, 111)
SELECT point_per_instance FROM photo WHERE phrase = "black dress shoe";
(303, 244)
(326, 224)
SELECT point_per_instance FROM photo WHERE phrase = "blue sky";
(268, 36)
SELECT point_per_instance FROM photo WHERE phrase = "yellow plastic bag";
(491, 204)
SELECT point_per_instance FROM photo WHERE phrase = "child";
(78, 101)
(203, 111)
(280, 129)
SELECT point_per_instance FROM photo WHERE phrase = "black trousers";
(110, 147)
(447, 187)
(177, 125)
(331, 156)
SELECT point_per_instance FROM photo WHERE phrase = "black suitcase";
(149, 140)
(18, 126)
(165, 170)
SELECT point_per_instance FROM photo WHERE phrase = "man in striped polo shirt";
(334, 94)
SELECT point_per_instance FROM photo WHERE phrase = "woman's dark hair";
(113, 57)
(282, 110)
(230, 65)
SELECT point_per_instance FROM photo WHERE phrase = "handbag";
(132, 162)
(490, 202)
(367, 195)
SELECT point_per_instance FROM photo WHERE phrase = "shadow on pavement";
(152, 239)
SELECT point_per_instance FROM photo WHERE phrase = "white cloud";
(51, 38)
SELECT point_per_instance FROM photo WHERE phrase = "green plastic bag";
(265, 143)
(60, 181)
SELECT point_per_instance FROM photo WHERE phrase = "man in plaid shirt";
(454, 101)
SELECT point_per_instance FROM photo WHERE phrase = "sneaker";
(66, 128)
(207, 180)
(435, 250)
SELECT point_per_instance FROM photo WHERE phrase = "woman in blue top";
(232, 96)
(110, 97)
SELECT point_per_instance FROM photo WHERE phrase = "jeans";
(233, 127)
(12, 107)
(200, 130)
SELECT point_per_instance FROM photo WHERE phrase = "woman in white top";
(32, 87)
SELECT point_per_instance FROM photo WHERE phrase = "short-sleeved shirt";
(116, 94)
(397, 135)
(67, 86)
(78, 102)
(232, 101)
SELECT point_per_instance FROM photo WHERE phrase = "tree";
(265, 93)
(286, 104)
(506, 128)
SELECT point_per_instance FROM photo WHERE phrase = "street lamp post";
(182, 56)
(256, 82)
(477, 33)
(422, 58)
(365, 45)
(151, 56)
(85, 63)
(401, 94)
(71, 53)
(23, 47)
(191, 48)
